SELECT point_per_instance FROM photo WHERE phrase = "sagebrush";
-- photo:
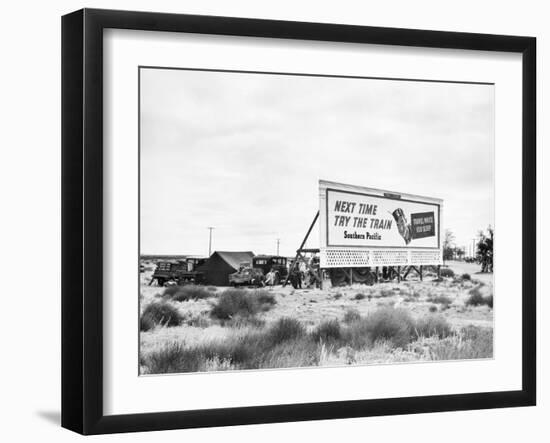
(242, 303)
(476, 298)
(160, 313)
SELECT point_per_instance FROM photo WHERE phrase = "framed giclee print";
(269, 221)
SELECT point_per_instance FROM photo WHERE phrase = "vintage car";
(275, 262)
(247, 276)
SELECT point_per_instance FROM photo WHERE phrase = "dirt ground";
(473, 269)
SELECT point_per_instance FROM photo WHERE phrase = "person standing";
(270, 278)
(296, 277)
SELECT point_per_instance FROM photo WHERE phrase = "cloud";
(245, 151)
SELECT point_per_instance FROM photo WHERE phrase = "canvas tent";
(222, 263)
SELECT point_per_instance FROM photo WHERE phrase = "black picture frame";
(82, 218)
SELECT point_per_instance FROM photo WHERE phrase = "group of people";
(297, 277)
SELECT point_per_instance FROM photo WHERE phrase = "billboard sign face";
(364, 219)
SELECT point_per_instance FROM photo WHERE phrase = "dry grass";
(327, 331)
(286, 343)
(385, 292)
(351, 316)
(186, 293)
(395, 325)
(242, 303)
(146, 323)
(248, 329)
(471, 343)
(477, 298)
(433, 326)
(242, 349)
(286, 329)
(440, 299)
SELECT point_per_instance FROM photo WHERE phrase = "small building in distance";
(217, 268)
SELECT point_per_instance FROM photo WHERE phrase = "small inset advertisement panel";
(389, 220)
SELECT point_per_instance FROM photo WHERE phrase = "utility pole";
(278, 242)
(210, 228)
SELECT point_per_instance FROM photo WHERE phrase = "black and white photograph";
(291, 220)
(243, 222)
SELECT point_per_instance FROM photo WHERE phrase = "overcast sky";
(244, 153)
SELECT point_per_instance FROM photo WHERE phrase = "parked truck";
(180, 272)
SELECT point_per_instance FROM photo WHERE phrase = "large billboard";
(398, 228)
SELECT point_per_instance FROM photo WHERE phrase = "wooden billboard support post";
(418, 270)
(301, 251)
(402, 272)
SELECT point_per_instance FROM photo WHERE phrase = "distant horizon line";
(141, 255)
